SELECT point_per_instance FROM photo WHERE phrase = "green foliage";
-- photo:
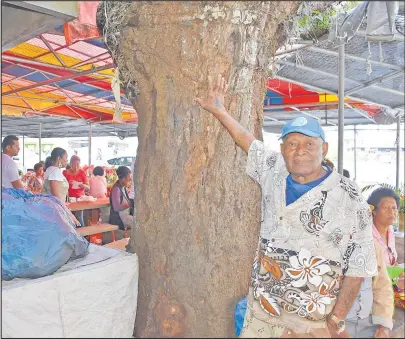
(317, 20)
(317, 23)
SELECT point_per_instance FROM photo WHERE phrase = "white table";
(92, 297)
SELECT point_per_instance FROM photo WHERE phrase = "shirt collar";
(8, 156)
(328, 184)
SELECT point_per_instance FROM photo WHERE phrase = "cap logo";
(300, 121)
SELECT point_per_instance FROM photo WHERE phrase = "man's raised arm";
(214, 103)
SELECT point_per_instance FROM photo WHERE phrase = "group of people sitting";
(66, 180)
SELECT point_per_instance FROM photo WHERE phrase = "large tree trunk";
(197, 211)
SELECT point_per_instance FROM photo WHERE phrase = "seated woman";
(78, 182)
(385, 204)
(98, 183)
(371, 313)
(37, 179)
(54, 181)
(119, 200)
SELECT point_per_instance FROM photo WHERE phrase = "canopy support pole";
(355, 152)
(40, 141)
(90, 134)
(398, 151)
(341, 107)
(23, 151)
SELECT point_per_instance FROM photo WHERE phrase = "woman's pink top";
(390, 253)
(98, 186)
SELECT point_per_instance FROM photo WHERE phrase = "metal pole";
(355, 152)
(49, 66)
(341, 107)
(40, 140)
(398, 151)
(53, 80)
(90, 132)
(23, 146)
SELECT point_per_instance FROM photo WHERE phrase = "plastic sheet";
(38, 235)
(240, 311)
(85, 26)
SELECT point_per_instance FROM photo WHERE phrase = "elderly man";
(9, 169)
(315, 246)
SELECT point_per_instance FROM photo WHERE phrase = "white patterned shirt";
(307, 247)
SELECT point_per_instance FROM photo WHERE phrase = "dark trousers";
(132, 207)
(79, 217)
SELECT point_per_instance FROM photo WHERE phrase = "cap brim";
(302, 131)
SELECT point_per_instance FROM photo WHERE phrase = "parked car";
(121, 161)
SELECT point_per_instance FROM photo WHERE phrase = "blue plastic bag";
(38, 235)
(240, 311)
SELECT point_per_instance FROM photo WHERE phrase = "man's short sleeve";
(360, 256)
(260, 160)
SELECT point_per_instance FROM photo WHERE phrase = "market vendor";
(78, 182)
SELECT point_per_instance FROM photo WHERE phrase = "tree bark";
(198, 213)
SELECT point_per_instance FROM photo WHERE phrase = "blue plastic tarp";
(38, 235)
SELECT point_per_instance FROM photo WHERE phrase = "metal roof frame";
(59, 82)
(55, 127)
(317, 65)
(310, 71)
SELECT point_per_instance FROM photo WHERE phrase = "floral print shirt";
(307, 247)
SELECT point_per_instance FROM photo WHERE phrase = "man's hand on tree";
(214, 102)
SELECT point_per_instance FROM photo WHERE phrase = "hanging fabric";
(116, 89)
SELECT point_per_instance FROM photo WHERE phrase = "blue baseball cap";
(304, 125)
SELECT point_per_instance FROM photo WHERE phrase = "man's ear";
(325, 147)
(282, 149)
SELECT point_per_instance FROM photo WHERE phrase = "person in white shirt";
(132, 191)
(9, 169)
(55, 183)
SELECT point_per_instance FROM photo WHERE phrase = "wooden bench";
(119, 244)
(95, 231)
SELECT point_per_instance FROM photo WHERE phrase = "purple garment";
(119, 204)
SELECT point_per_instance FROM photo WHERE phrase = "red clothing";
(80, 177)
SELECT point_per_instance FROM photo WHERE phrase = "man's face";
(303, 155)
(14, 149)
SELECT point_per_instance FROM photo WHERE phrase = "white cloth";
(54, 173)
(127, 219)
(9, 171)
(132, 191)
(90, 297)
(306, 247)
